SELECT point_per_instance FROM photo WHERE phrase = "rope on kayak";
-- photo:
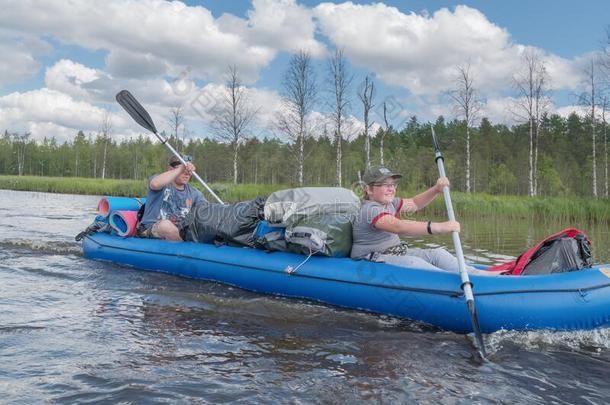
(291, 270)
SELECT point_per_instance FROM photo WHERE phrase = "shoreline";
(474, 204)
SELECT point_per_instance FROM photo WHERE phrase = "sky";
(63, 61)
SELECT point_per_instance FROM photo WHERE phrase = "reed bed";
(466, 205)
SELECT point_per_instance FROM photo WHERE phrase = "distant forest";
(498, 161)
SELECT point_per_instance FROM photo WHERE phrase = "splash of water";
(42, 246)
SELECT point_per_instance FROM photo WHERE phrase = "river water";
(78, 331)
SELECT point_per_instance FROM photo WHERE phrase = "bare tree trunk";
(368, 92)
(468, 106)
(539, 107)
(175, 121)
(235, 150)
(535, 169)
(605, 160)
(341, 82)
(233, 116)
(467, 159)
(531, 87)
(530, 182)
(21, 142)
(588, 99)
(299, 90)
(593, 135)
(604, 106)
(95, 165)
(338, 158)
(105, 130)
(301, 158)
(256, 170)
(383, 133)
(104, 158)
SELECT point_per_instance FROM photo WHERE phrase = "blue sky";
(65, 70)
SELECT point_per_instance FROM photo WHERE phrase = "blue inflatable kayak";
(565, 301)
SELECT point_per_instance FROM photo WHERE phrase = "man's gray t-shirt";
(169, 203)
(368, 239)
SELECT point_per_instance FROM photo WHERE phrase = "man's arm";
(165, 178)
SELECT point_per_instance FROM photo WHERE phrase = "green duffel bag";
(324, 234)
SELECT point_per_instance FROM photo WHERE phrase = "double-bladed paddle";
(141, 116)
(466, 284)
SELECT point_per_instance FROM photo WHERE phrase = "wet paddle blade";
(477, 329)
(135, 109)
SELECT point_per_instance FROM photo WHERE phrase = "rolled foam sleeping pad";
(124, 222)
(110, 204)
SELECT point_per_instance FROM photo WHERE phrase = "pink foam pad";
(124, 222)
(110, 204)
(103, 207)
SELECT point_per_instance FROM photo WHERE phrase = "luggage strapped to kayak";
(567, 250)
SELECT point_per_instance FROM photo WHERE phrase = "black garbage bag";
(218, 223)
(561, 255)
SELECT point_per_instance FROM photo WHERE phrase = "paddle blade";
(135, 109)
(476, 328)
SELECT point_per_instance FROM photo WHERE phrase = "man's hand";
(441, 183)
(189, 168)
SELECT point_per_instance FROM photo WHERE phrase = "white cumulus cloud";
(154, 37)
(18, 62)
(420, 52)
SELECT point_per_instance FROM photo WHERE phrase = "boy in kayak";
(168, 200)
(378, 227)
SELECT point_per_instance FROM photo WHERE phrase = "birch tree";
(387, 129)
(541, 106)
(299, 95)
(175, 121)
(234, 116)
(21, 142)
(341, 82)
(105, 129)
(588, 99)
(531, 85)
(468, 105)
(604, 104)
(366, 96)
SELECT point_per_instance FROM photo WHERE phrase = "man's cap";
(174, 161)
(378, 173)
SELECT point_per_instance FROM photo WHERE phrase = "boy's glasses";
(386, 185)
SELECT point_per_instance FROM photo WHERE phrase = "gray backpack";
(287, 207)
(322, 234)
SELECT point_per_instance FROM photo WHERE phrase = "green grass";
(544, 208)
(469, 205)
(132, 188)
(74, 185)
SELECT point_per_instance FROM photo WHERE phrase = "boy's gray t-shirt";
(170, 203)
(368, 239)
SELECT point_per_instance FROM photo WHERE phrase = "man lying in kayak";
(168, 200)
(378, 227)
